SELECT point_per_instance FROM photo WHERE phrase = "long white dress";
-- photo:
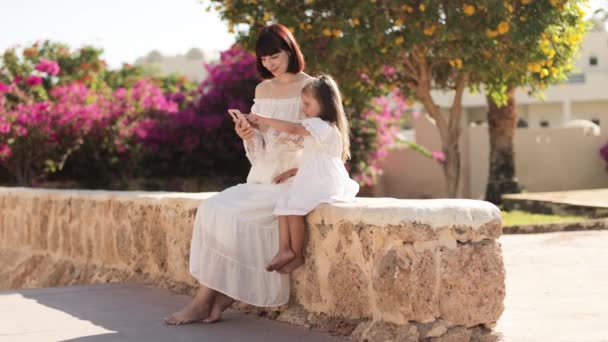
(235, 233)
(321, 177)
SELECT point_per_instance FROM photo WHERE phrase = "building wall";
(595, 44)
(190, 64)
(546, 159)
(591, 110)
(550, 112)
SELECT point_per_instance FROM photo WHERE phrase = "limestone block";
(472, 287)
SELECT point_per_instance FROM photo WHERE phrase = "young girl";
(321, 177)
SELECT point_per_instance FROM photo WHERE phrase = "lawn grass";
(517, 217)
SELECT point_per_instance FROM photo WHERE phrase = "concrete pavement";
(125, 312)
(557, 287)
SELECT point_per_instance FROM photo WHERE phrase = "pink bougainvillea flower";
(439, 156)
(5, 152)
(34, 81)
(4, 88)
(5, 126)
(48, 66)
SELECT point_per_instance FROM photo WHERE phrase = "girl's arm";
(280, 125)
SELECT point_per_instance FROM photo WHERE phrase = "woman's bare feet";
(281, 259)
(198, 309)
(292, 266)
(221, 303)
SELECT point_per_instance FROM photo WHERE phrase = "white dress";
(321, 177)
(235, 233)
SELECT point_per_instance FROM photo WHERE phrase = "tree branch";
(456, 110)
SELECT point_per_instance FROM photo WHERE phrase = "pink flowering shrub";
(112, 149)
(58, 108)
(372, 134)
(36, 137)
(64, 115)
(376, 131)
(200, 140)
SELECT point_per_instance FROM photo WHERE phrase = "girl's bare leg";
(297, 234)
(285, 253)
(198, 309)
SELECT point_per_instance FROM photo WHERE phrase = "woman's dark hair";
(325, 90)
(271, 40)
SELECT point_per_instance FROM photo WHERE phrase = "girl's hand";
(285, 176)
(256, 119)
(249, 121)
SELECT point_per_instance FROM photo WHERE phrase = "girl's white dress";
(322, 177)
(235, 232)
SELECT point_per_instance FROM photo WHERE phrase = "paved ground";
(109, 313)
(557, 287)
(587, 198)
(557, 290)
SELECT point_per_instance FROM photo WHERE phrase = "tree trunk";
(449, 131)
(448, 127)
(451, 167)
(502, 122)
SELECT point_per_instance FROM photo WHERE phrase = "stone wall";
(376, 269)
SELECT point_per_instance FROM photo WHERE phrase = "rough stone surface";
(415, 273)
(349, 289)
(472, 287)
(383, 331)
(457, 334)
(435, 329)
(420, 266)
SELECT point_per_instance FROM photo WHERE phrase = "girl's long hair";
(325, 90)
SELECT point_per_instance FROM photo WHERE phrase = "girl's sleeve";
(318, 129)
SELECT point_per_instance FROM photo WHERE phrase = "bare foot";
(194, 311)
(292, 266)
(221, 303)
(281, 259)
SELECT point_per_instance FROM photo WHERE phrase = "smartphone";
(233, 114)
(237, 115)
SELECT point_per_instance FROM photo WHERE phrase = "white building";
(189, 64)
(583, 96)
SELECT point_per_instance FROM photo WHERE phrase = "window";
(522, 123)
(593, 61)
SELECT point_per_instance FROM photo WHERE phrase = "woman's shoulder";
(304, 77)
(269, 89)
(262, 90)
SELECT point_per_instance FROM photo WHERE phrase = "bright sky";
(125, 29)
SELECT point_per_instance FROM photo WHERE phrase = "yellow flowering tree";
(534, 52)
(418, 46)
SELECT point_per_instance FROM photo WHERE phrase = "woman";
(235, 234)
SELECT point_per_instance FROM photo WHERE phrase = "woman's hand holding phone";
(241, 125)
(243, 119)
